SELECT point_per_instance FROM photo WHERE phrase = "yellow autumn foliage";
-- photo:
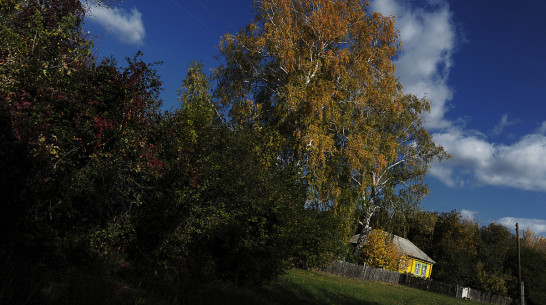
(380, 252)
(319, 77)
(534, 241)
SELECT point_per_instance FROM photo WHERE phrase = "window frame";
(417, 268)
(424, 268)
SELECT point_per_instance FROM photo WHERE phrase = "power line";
(215, 14)
(196, 19)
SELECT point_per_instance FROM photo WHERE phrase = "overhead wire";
(206, 26)
(215, 14)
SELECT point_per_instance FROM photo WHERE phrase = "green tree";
(532, 272)
(33, 40)
(76, 142)
(455, 249)
(179, 209)
(533, 264)
(220, 209)
(412, 223)
(496, 246)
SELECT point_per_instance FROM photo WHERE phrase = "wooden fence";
(364, 272)
(479, 296)
(453, 290)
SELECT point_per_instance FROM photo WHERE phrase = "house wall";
(414, 265)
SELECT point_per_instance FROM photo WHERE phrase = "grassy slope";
(300, 287)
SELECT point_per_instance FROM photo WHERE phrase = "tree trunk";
(364, 231)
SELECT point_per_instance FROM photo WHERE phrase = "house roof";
(404, 245)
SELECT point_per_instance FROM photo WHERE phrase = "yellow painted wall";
(412, 265)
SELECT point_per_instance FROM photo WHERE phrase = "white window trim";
(417, 268)
(424, 268)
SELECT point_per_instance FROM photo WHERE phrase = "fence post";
(522, 293)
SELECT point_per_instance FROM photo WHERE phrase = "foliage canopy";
(317, 76)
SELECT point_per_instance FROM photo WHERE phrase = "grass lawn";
(299, 287)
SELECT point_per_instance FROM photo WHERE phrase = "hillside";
(300, 287)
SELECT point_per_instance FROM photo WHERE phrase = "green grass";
(299, 287)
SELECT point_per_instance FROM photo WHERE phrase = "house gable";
(418, 264)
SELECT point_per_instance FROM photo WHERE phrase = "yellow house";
(418, 262)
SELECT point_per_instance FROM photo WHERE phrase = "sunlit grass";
(299, 287)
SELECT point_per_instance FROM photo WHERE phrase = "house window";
(417, 268)
(424, 270)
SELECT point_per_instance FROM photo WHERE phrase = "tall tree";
(76, 147)
(318, 76)
(533, 264)
(455, 248)
(220, 210)
(496, 246)
(75, 142)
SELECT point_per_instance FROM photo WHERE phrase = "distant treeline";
(484, 258)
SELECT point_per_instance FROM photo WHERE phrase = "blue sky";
(481, 63)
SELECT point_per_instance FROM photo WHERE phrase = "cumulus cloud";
(469, 215)
(428, 41)
(127, 26)
(520, 165)
(478, 162)
(469, 151)
(536, 225)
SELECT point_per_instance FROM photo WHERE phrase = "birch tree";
(398, 184)
(318, 76)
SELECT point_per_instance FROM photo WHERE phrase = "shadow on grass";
(275, 294)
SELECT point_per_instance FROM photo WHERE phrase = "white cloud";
(536, 225)
(503, 124)
(127, 26)
(470, 153)
(520, 165)
(478, 162)
(445, 174)
(428, 41)
(469, 215)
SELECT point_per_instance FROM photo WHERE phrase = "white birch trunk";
(364, 231)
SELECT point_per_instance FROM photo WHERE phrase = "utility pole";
(520, 282)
